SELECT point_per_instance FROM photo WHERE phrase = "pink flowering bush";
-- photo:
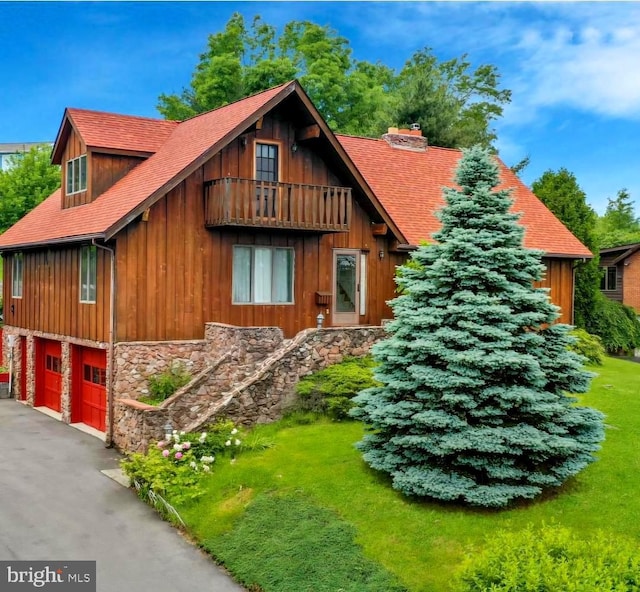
(175, 466)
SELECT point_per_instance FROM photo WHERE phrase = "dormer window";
(77, 174)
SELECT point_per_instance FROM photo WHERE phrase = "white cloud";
(592, 67)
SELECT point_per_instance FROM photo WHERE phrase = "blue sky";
(573, 67)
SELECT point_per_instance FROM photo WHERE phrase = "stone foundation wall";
(245, 373)
(247, 383)
(135, 362)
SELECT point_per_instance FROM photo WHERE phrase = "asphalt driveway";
(55, 504)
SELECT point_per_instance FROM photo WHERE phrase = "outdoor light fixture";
(381, 255)
(320, 320)
(168, 430)
(294, 147)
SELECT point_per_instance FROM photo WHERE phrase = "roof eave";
(567, 256)
(412, 247)
(626, 254)
(58, 145)
(53, 242)
(634, 246)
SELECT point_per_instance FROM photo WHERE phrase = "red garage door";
(49, 379)
(90, 387)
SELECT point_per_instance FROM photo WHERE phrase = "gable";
(111, 132)
(189, 146)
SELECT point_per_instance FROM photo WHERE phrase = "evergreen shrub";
(589, 346)
(552, 558)
(329, 391)
(616, 324)
(474, 403)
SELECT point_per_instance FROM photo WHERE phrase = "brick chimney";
(406, 139)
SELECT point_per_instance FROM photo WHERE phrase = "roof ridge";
(142, 117)
(239, 100)
(431, 146)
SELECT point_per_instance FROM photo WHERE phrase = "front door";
(346, 287)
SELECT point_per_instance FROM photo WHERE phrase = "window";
(608, 281)
(53, 364)
(77, 174)
(88, 274)
(266, 172)
(267, 162)
(262, 275)
(95, 375)
(16, 276)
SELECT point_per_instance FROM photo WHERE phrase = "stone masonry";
(249, 376)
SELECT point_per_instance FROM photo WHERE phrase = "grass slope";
(423, 543)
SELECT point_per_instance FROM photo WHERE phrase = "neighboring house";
(9, 152)
(620, 281)
(191, 241)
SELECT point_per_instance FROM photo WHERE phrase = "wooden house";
(620, 279)
(254, 214)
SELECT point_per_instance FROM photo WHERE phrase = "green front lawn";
(314, 471)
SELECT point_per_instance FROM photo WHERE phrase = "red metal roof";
(187, 142)
(409, 186)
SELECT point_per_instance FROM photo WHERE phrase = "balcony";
(296, 206)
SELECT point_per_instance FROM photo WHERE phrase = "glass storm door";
(346, 298)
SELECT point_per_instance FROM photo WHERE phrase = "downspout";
(112, 326)
(573, 295)
(574, 269)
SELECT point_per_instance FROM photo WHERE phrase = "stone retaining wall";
(264, 396)
(250, 381)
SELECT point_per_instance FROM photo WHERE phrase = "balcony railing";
(247, 202)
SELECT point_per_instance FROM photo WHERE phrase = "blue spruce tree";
(473, 405)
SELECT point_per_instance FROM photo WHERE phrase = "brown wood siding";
(178, 280)
(107, 169)
(559, 278)
(606, 260)
(50, 298)
(75, 147)
(174, 275)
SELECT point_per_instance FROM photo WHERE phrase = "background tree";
(560, 192)
(454, 107)
(454, 104)
(29, 181)
(619, 225)
(473, 404)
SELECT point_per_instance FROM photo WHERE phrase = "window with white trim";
(16, 275)
(609, 279)
(88, 274)
(262, 275)
(77, 174)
